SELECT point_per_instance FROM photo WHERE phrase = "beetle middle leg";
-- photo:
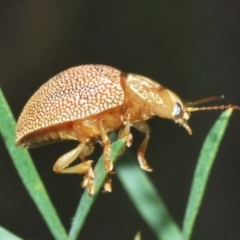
(106, 152)
(125, 131)
(109, 121)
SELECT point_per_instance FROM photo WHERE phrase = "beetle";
(87, 102)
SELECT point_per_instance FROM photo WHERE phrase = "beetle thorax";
(141, 94)
(145, 88)
(153, 98)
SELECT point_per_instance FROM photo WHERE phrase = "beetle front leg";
(144, 128)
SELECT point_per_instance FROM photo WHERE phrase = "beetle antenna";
(204, 100)
(210, 108)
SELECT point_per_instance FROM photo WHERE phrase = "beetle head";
(173, 108)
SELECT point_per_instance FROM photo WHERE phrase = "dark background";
(192, 47)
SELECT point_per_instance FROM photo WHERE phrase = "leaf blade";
(86, 202)
(7, 235)
(146, 199)
(202, 171)
(28, 172)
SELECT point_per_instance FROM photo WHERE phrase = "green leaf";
(28, 172)
(146, 199)
(86, 202)
(6, 235)
(138, 236)
(204, 166)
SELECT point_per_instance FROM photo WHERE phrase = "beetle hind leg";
(61, 165)
(85, 167)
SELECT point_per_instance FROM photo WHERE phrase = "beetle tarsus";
(107, 186)
(88, 182)
(129, 140)
(108, 165)
(143, 163)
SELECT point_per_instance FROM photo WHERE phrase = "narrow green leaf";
(146, 199)
(28, 172)
(86, 202)
(204, 166)
(138, 236)
(6, 235)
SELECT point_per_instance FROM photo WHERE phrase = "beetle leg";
(79, 168)
(125, 131)
(61, 165)
(88, 181)
(144, 128)
(82, 150)
(106, 152)
(107, 185)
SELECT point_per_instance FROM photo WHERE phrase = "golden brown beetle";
(87, 102)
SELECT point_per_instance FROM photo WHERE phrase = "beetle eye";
(177, 110)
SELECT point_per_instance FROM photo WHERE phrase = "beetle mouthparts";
(184, 124)
(187, 127)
